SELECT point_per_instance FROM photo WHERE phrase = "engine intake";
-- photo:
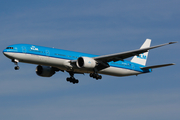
(86, 62)
(45, 71)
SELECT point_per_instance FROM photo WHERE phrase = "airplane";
(51, 60)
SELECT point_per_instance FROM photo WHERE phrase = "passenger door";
(24, 49)
(47, 53)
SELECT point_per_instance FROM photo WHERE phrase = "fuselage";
(61, 59)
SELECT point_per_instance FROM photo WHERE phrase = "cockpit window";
(9, 48)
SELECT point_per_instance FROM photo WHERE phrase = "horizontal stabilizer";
(157, 66)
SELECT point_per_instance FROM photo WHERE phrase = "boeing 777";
(51, 60)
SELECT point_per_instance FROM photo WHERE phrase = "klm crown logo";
(34, 48)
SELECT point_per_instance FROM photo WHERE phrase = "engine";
(86, 62)
(44, 71)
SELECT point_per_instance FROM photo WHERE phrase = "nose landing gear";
(15, 61)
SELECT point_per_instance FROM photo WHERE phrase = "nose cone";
(5, 52)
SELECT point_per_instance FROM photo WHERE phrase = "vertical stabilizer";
(142, 58)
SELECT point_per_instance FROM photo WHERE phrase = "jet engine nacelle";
(44, 71)
(86, 62)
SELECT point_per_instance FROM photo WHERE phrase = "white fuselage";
(64, 64)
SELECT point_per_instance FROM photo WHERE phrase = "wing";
(124, 55)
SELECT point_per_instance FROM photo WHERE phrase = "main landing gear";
(15, 61)
(95, 75)
(72, 79)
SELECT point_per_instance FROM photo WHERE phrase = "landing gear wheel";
(16, 68)
(72, 80)
(91, 74)
(68, 79)
(95, 76)
(76, 81)
(99, 77)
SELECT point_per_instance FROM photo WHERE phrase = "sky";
(98, 27)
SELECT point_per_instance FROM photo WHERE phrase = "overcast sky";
(97, 27)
